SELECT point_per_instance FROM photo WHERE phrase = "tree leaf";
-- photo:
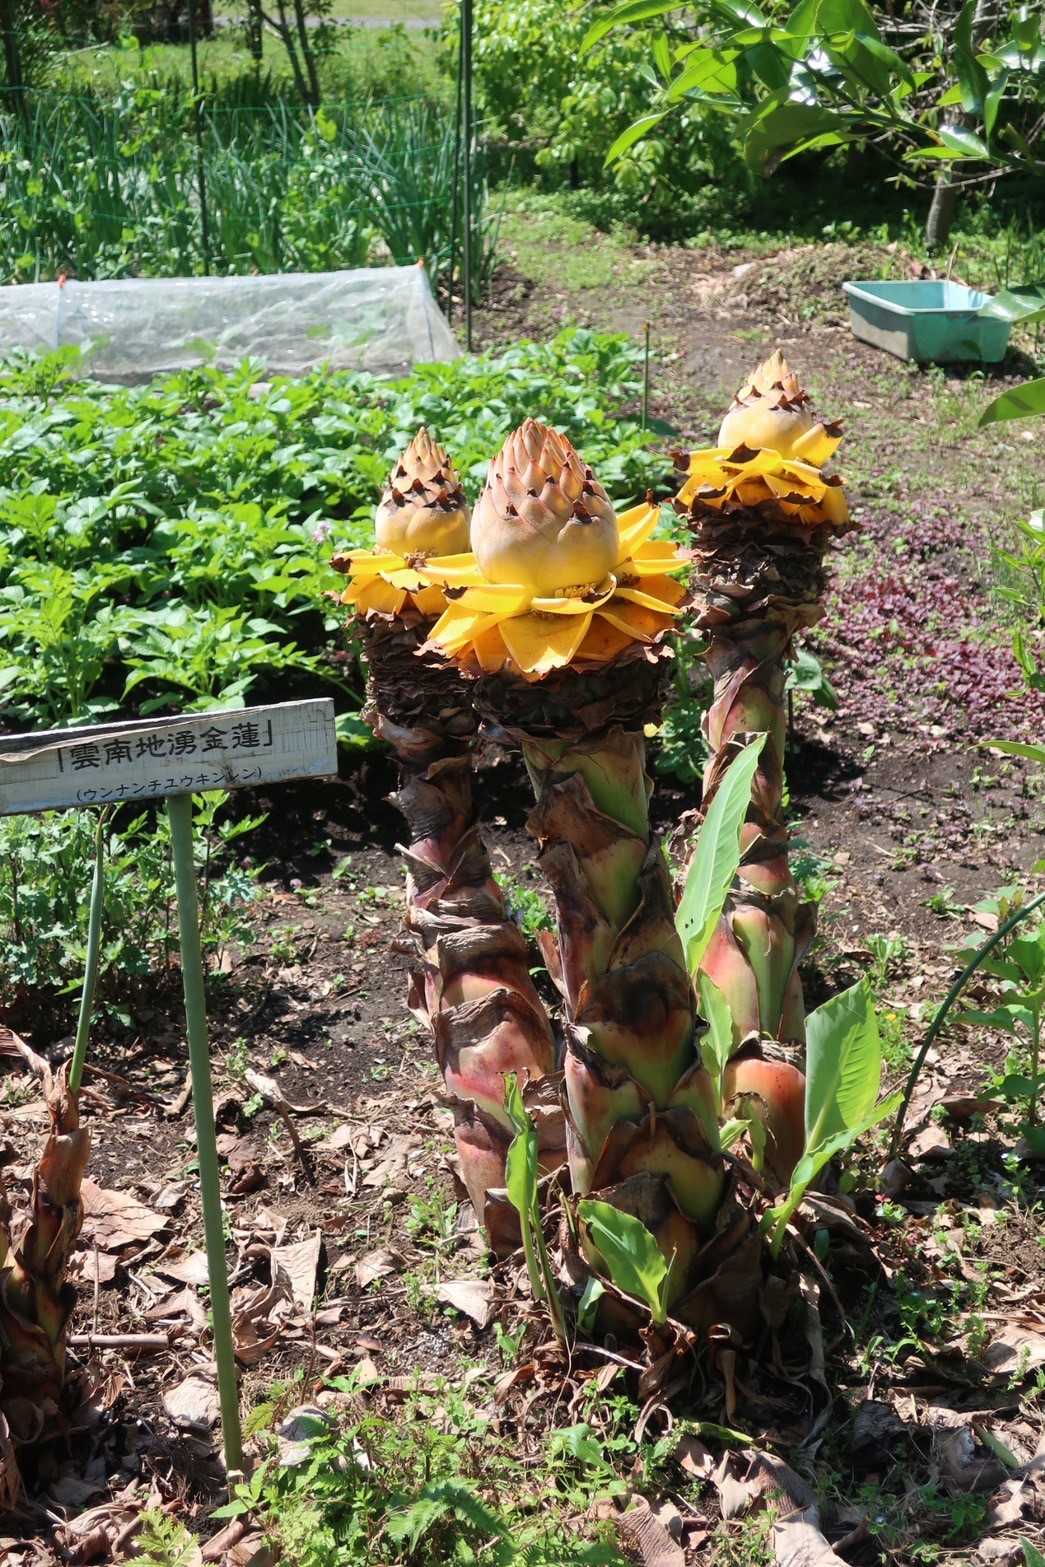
(963, 142)
(843, 1062)
(1023, 402)
(972, 78)
(846, 16)
(634, 132)
(717, 856)
(992, 103)
(623, 15)
(787, 125)
(632, 1256)
(711, 70)
(1017, 304)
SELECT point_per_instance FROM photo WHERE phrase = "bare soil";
(908, 820)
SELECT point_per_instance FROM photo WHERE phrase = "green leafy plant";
(162, 1541)
(561, 110)
(631, 1256)
(843, 1074)
(1013, 917)
(716, 857)
(46, 868)
(416, 1486)
(522, 1176)
(166, 546)
(826, 74)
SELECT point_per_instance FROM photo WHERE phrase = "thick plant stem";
(765, 929)
(762, 515)
(35, 1300)
(472, 985)
(179, 811)
(642, 1131)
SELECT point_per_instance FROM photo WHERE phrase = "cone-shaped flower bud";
(423, 510)
(544, 521)
(771, 412)
(557, 581)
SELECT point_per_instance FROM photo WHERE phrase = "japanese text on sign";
(154, 758)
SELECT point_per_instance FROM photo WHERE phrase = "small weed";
(283, 943)
(888, 955)
(525, 905)
(422, 1484)
(943, 904)
(432, 1220)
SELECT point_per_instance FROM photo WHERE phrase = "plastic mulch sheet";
(382, 319)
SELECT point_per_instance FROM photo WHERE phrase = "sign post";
(173, 759)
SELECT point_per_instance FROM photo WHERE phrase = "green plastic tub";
(929, 320)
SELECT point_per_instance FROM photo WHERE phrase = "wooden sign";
(153, 758)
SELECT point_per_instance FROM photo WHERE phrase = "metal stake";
(197, 111)
(466, 75)
(179, 811)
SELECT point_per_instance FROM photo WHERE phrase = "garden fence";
(154, 179)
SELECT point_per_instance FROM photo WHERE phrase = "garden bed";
(909, 822)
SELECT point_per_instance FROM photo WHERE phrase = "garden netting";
(381, 319)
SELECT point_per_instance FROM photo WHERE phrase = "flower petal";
(654, 560)
(493, 598)
(379, 595)
(490, 651)
(457, 627)
(635, 527)
(638, 623)
(816, 445)
(541, 643)
(661, 594)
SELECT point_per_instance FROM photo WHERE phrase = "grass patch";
(545, 241)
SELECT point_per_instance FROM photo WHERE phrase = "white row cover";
(382, 319)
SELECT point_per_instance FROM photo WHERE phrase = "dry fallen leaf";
(693, 1458)
(751, 1479)
(300, 1263)
(1023, 1497)
(799, 1542)
(972, 1468)
(190, 1268)
(644, 1534)
(194, 1401)
(474, 1297)
(93, 1267)
(115, 1219)
(379, 1264)
(1017, 1346)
